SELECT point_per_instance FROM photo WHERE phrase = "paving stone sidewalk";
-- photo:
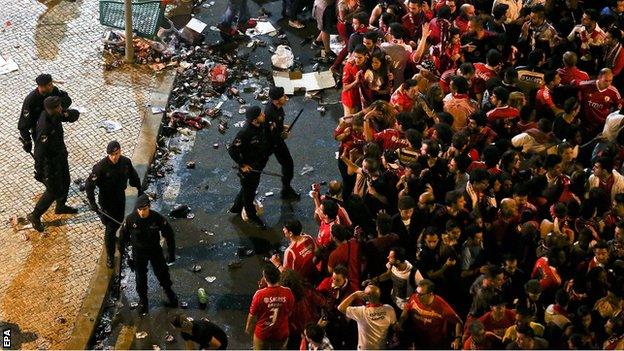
(44, 279)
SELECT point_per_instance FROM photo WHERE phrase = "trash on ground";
(190, 165)
(170, 338)
(7, 65)
(244, 251)
(261, 28)
(306, 169)
(211, 278)
(201, 296)
(141, 335)
(196, 268)
(134, 305)
(283, 57)
(110, 125)
(312, 81)
(180, 211)
(268, 193)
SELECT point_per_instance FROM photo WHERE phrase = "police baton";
(269, 173)
(293, 123)
(98, 211)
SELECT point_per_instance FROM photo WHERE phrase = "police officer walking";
(111, 175)
(277, 131)
(143, 229)
(51, 165)
(32, 108)
(250, 150)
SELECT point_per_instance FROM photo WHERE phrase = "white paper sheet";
(261, 28)
(7, 65)
(312, 81)
(196, 25)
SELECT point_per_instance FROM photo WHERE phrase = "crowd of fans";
(481, 204)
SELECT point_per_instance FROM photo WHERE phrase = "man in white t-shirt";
(373, 319)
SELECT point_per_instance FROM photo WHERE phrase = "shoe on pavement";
(296, 24)
(66, 210)
(143, 308)
(329, 55)
(290, 194)
(36, 222)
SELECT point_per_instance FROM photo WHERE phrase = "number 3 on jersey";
(274, 312)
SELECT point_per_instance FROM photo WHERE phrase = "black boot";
(289, 193)
(143, 307)
(172, 297)
(35, 220)
(65, 210)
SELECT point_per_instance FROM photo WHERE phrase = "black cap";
(252, 113)
(276, 93)
(142, 201)
(51, 102)
(43, 79)
(112, 147)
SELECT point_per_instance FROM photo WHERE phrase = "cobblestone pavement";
(44, 279)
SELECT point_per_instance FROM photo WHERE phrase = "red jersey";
(401, 100)
(324, 235)
(572, 75)
(298, 256)
(498, 327)
(390, 139)
(272, 306)
(461, 23)
(597, 104)
(354, 139)
(348, 254)
(482, 74)
(550, 279)
(502, 113)
(543, 99)
(413, 24)
(351, 97)
(434, 324)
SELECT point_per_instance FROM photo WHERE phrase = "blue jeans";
(236, 8)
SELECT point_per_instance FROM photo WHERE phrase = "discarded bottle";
(201, 296)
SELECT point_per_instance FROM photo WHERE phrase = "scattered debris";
(306, 169)
(141, 335)
(61, 320)
(180, 211)
(202, 297)
(268, 193)
(110, 125)
(183, 304)
(190, 165)
(134, 305)
(170, 338)
(211, 278)
(244, 251)
(196, 268)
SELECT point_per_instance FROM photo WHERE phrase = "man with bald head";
(598, 98)
(373, 319)
(569, 73)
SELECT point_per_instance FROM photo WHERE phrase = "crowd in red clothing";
(481, 199)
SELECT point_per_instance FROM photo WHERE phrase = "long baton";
(293, 122)
(269, 173)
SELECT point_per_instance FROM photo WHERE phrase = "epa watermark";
(6, 338)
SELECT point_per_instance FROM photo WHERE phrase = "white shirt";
(612, 125)
(373, 323)
(513, 12)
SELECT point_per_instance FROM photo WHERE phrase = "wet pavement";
(213, 237)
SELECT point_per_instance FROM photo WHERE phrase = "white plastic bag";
(283, 57)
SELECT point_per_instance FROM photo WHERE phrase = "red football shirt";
(503, 112)
(498, 327)
(351, 97)
(390, 139)
(482, 74)
(433, 324)
(401, 100)
(348, 255)
(272, 306)
(298, 257)
(572, 75)
(597, 104)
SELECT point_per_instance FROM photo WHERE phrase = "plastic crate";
(146, 15)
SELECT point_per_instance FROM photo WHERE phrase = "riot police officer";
(111, 175)
(276, 129)
(250, 150)
(51, 165)
(32, 108)
(143, 229)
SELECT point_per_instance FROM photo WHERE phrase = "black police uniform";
(112, 181)
(51, 165)
(275, 128)
(32, 107)
(144, 235)
(250, 147)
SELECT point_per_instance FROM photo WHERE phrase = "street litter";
(155, 347)
(196, 268)
(239, 124)
(190, 165)
(7, 65)
(283, 57)
(190, 216)
(61, 320)
(134, 305)
(169, 338)
(110, 125)
(211, 278)
(141, 335)
(306, 169)
(313, 81)
(55, 268)
(180, 211)
(261, 28)
(244, 251)
(201, 296)
(268, 193)
(183, 304)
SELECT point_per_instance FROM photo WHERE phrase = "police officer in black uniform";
(143, 228)
(33, 107)
(51, 165)
(111, 175)
(250, 150)
(274, 112)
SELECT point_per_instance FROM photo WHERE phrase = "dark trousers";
(348, 181)
(249, 185)
(161, 271)
(292, 8)
(114, 208)
(56, 188)
(282, 154)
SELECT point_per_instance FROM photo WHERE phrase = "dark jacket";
(112, 180)
(144, 234)
(32, 107)
(251, 147)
